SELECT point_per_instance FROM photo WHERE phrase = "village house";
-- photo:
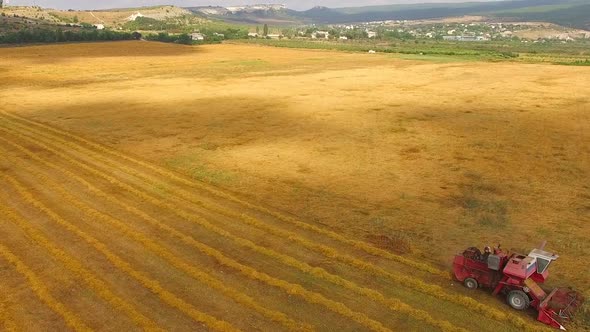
(253, 35)
(99, 26)
(197, 36)
(507, 34)
(320, 35)
(274, 36)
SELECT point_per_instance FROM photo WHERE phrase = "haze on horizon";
(293, 4)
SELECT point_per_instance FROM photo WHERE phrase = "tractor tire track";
(195, 184)
(147, 282)
(71, 319)
(329, 252)
(98, 285)
(170, 257)
(319, 273)
(252, 273)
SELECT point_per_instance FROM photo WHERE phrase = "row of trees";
(59, 35)
(264, 30)
(168, 38)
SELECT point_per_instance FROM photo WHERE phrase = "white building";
(507, 34)
(320, 35)
(99, 26)
(343, 38)
(372, 34)
(197, 36)
(253, 35)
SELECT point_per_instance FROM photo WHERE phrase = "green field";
(552, 52)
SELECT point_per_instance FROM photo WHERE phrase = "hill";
(109, 18)
(567, 12)
(563, 12)
(254, 14)
(570, 13)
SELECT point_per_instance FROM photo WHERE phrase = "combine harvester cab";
(518, 276)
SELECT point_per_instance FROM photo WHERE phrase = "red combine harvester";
(518, 277)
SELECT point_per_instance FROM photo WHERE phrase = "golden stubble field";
(322, 179)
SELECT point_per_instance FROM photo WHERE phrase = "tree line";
(59, 36)
(168, 38)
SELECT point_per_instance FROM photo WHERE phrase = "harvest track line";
(187, 268)
(252, 273)
(98, 285)
(171, 258)
(152, 285)
(194, 184)
(42, 292)
(326, 251)
(329, 252)
(332, 253)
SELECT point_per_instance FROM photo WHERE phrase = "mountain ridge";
(569, 13)
(563, 12)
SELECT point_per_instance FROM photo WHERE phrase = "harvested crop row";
(42, 292)
(433, 290)
(415, 284)
(430, 289)
(290, 288)
(194, 184)
(98, 285)
(238, 297)
(331, 253)
(319, 273)
(170, 257)
(147, 282)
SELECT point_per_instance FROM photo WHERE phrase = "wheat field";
(232, 187)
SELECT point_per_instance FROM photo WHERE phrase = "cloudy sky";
(293, 4)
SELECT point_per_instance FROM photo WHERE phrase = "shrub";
(184, 39)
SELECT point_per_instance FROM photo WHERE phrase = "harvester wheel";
(518, 300)
(470, 283)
